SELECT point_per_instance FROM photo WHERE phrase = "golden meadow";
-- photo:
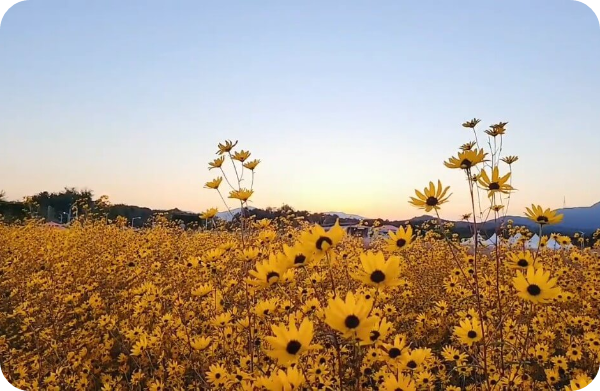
(283, 305)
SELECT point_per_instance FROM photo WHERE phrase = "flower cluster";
(297, 306)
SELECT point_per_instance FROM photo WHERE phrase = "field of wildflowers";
(283, 305)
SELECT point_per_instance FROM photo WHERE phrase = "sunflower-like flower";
(469, 331)
(581, 381)
(510, 159)
(379, 332)
(415, 360)
(241, 194)
(399, 382)
(290, 342)
(377, 272)
(217, 375)
(543, 217)
(248, 254)
(320, 241)
(536, 286)
(268, 272)
(393, 351)
(209, 213)
(241, 156)
(298, 255)
(200, 343)
(290, 379)
(401, 239)
(217, 163)
(214, 184)
(431, 198)
(497, 129)
(495, 183)
(466, 159)
(471, 124)
(251, 165)
(226, 147)
(468, 146)
(351, 317)
(521, 260)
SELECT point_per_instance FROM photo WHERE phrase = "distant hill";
(343, 215)
(227, 216)
(585, 219)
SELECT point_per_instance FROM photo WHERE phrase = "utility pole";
(133, 219)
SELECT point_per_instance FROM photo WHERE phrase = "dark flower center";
(321, 240)
(431, 201)
(374, 335)
(523, 263)
(272, 275)
(542, 220)
(466, 163)
(494, 186)
(472, 334)
(299, 259)
(411, 364)
(400, 243)
(293, 347)
(352, 321)
(377, 276)
(394, 352)
(534, 290)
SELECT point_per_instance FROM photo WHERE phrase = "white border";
(5, 5)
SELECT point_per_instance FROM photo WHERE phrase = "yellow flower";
(466, 159)
(536, 286)
(399, 382)
(543, 217)
(350, 317)
(249, 254)
(471, 124)
(226, 147)
(290, 342)
(469, 331)
(268, 272)
(209, 213)
(379, 332)
(291, 379)
(496, 183)
(251, 165)
(415, 360)
(298, 255)
(394, 351)
(217, 375)
(140, 346)
(401, 239)
(431, 198)
(521, 260)
(241, 156)
(214, 184)
(377, 272)
(242, 194)
(217, 163)
(200, 343)
(468, 146)
(320, 241)
(510, 159)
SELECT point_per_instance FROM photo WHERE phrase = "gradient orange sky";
(350, 107)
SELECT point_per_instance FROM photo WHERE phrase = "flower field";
(286, 305)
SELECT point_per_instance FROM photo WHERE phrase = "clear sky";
(350, 105)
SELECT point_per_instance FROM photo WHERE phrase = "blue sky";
(350, 105)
